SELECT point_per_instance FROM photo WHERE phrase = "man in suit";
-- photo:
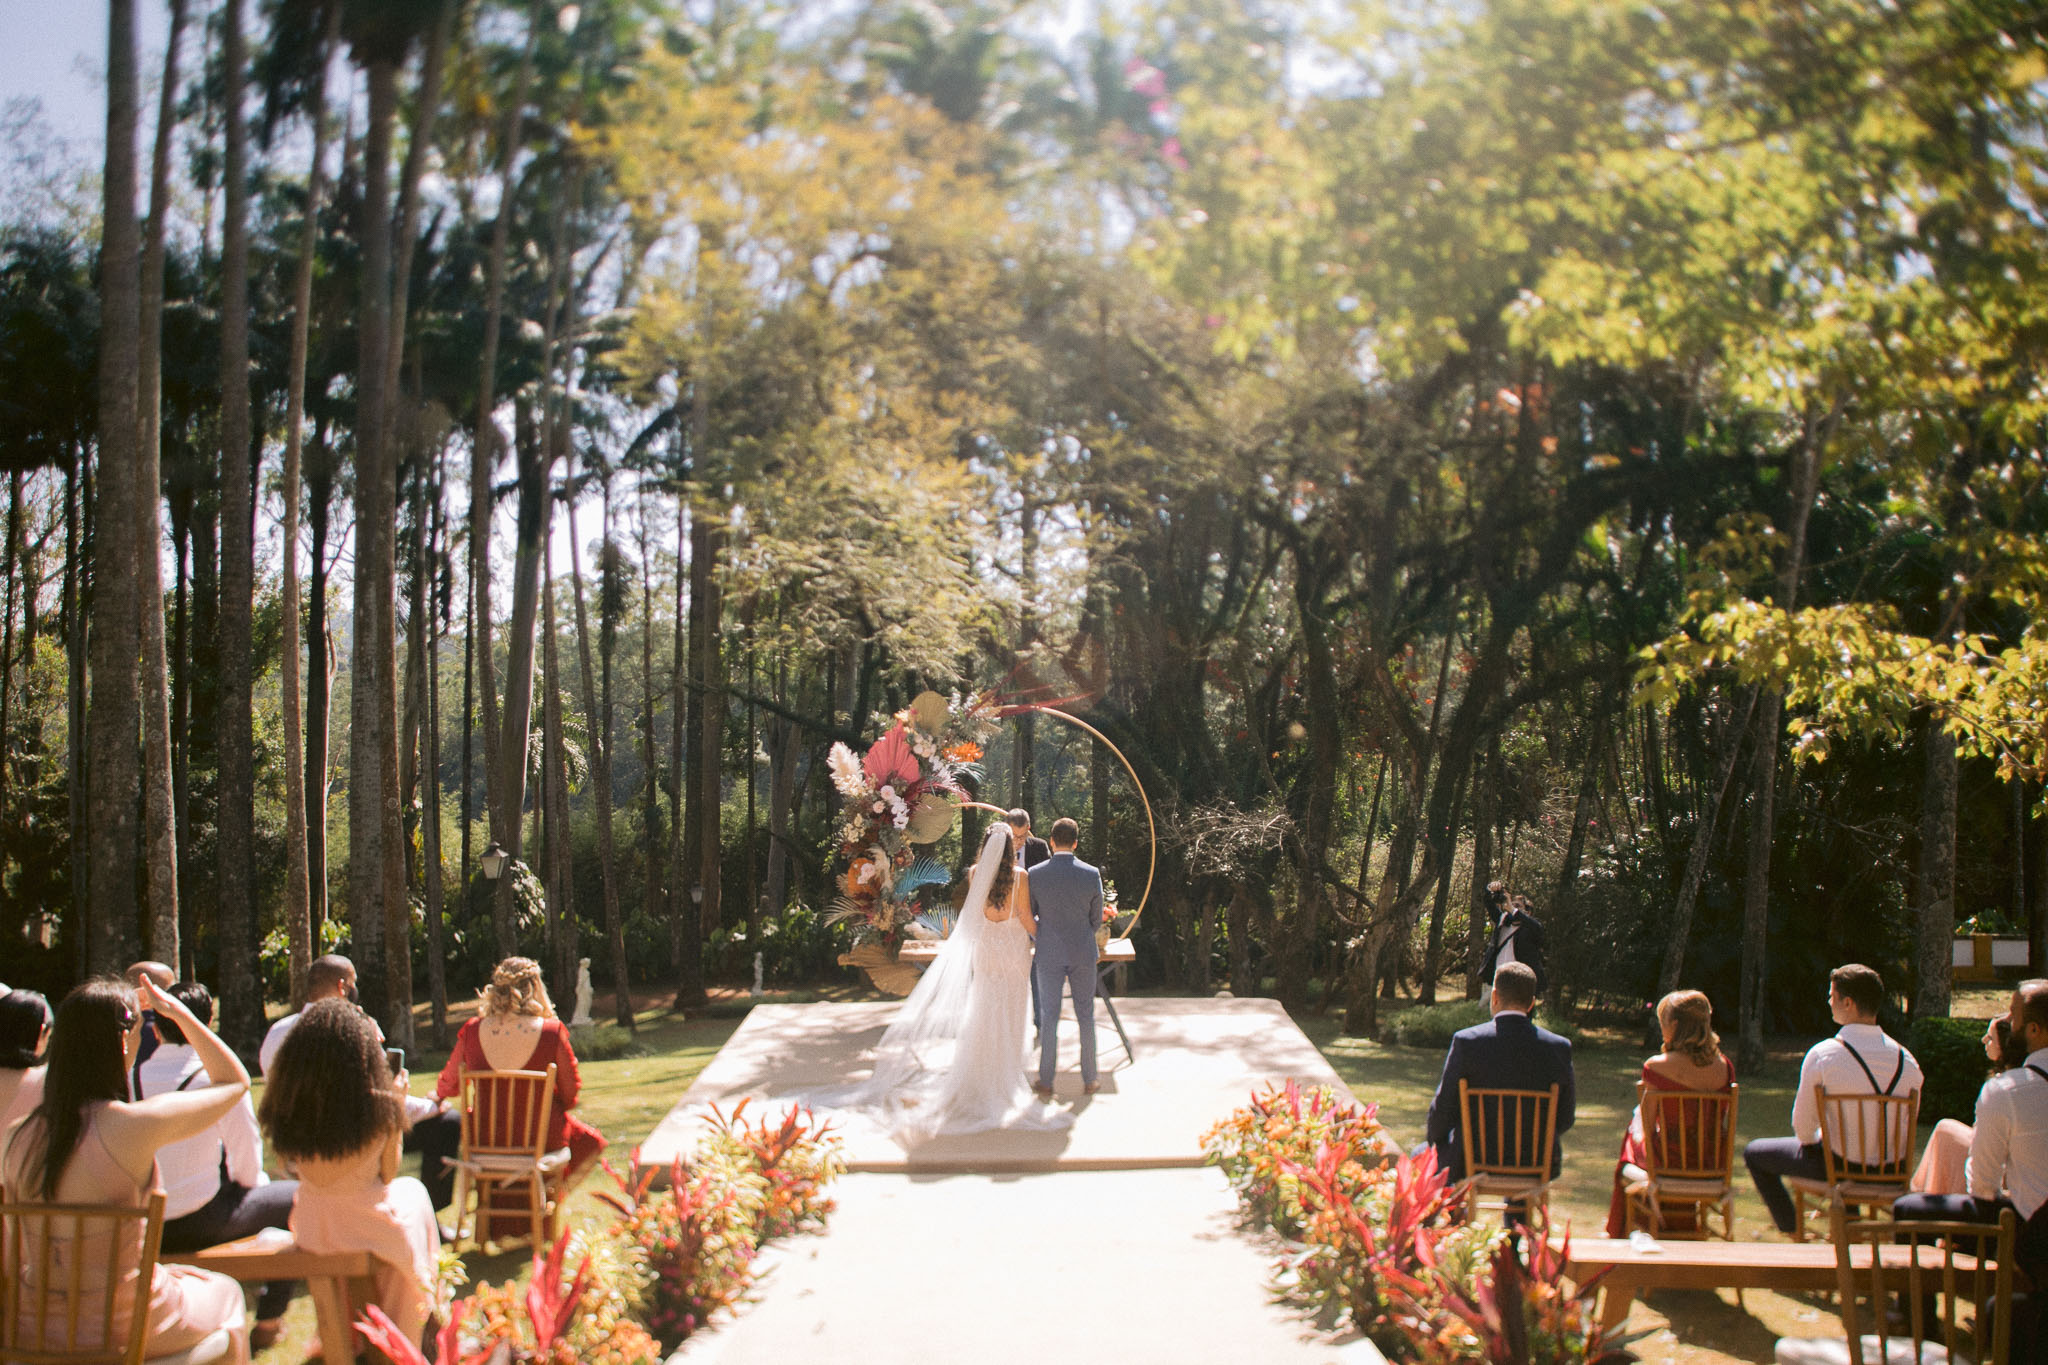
(1035, 850)
(1066, 904)
(1509, 1052)
(1517, 937)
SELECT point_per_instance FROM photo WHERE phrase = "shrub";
(696, 1239)
(1432, 1025)
(1951, 1055)
(1524, 1311)
(795, 1159)
(1284, 1128)
(606, 1042)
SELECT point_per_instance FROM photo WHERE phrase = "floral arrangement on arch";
(903, 793)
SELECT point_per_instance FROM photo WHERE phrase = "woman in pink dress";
(516, 1030)
(1691, 1061)
(333, 1108)
(87, 1143)
(1944, 1165)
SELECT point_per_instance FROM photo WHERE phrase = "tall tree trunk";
(1447, 845)
(707, 545)
(598, 723)
(114, 723)
(159, 806)
(1564, 910)
(484, 452)
(1936, 913)
(555, 798)
(1756, 883)
(2037, 885)
(430, 789)
(298, 903)
(1703, 846)
(372, 674)
(1485, 815)
(320, 664)
(650, 787)
(77, 600)
(687, 938)
(241, 998)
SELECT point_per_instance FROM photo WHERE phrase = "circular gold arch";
(1151, 825)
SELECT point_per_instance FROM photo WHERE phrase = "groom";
(1066, 900)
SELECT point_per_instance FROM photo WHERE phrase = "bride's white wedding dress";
(954, 1060)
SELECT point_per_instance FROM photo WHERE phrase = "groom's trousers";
(1079, 978)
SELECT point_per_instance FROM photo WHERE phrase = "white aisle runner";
(1133, 1267)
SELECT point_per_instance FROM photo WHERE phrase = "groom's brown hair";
(1065, 833)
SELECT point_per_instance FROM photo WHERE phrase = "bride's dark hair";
(1006, 870)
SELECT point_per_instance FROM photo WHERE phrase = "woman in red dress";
(516, 1030)
(1691, 1061)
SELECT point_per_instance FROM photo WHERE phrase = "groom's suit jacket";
(1066, 896)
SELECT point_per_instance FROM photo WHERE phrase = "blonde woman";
(1691, 1060)
(516, 1030)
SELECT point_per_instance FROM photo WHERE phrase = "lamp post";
(493, 860)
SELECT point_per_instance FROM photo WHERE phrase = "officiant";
(1517, 937)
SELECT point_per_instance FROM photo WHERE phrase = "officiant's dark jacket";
(1508, 1052)
(1528, 931)
(1036, 851)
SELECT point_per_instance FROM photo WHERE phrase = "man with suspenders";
(1858, 1060)
(2009, 1146)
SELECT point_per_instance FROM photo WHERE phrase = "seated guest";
(161, 977)
(1691, 1060)
(2008, 1161)
(332, 977)
(516, 1030)
(214, 1187)
(1858, 1060)
(1509, 1052)
(24, 1028)
(88, 1143)
(1941, 1169)
(332, 1105)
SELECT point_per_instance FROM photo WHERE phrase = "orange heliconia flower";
(966, 751)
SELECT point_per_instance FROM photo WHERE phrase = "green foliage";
(1285, 1126)
(1951, 1055)
(1431, 1026)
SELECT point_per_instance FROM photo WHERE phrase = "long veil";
(916, 1051)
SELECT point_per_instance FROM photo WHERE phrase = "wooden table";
(1788, 1267)
(1118, 952)
(339, 1284)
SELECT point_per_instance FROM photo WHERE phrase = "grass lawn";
(625, 1095)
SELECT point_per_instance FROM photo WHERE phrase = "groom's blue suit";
(1066, 898)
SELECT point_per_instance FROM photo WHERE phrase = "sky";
(55, 51)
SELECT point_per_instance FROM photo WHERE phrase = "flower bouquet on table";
(902, 794)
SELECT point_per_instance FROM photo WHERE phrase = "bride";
(953, 1061)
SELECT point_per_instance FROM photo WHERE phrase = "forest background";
(1586, 443)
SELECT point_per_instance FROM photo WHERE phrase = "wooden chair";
(64, 1310)
(1510, 1140)
(1880, 1129)
(504, 1146)
(1973, 1266)
(1689, 1162)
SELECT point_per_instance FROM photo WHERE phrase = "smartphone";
(395, 1056)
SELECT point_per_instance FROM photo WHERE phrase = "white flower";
(846, 771)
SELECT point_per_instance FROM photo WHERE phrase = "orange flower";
(967, 751)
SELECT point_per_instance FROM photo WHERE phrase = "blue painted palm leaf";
(920, 874)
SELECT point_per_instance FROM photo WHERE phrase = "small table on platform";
(1118, 952)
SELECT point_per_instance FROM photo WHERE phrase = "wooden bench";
(1787, 1267)
(339, 1284)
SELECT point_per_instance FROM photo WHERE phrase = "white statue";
(757, 976)
(582, 1019)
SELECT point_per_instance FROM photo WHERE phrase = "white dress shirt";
(2009, 1147)
(1830, 1063)
(190, 1169)
(278, 1032)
